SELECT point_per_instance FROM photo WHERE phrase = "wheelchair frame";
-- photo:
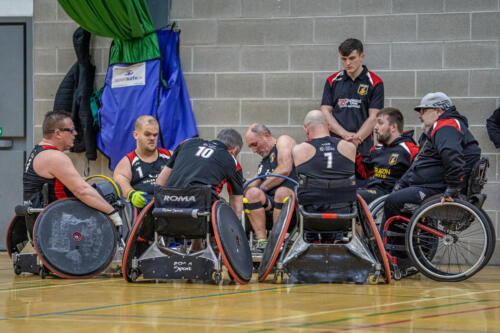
(30, 262)
(293, 255)
(471, 203)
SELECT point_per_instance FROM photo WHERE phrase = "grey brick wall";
(267, 60)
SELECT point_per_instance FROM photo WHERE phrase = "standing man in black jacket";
(447, 154)
(389, 158)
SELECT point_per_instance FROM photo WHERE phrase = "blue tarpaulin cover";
(155, 87)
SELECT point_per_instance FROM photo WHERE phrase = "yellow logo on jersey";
(363, 89)
(271, 158)
(394, 159)
(382, 172)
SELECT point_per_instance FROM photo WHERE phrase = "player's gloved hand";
(115, 218)
(137, 198)
(262, 188)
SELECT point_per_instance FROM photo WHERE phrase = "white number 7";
(329, 162)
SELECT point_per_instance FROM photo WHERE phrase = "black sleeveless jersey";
(327, 162)
(144, 174)
(198, 162)
(267, 166)
(33, 183)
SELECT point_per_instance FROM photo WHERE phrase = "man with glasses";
(48, 163)
(447, 153)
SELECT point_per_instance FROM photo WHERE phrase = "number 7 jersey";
(198, 162)
(327, 162)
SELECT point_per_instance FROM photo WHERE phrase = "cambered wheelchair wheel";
(450, 242)
(376, 208)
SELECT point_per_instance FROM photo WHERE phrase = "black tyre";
(450, 242)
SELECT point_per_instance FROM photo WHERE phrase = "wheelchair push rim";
(454, 255)
(276, 238)
(9, 246)
(266, 176)
(379, 250)
(130, 248)
(232, 242)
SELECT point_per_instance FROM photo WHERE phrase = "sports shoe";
(260, 246)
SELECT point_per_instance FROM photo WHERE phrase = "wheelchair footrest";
(26, 263)
(155, 264)
(332, 263)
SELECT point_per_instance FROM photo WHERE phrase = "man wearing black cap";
(447, 153)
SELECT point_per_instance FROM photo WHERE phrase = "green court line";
(355, 294)
(261, 330)
(425, 308)
(326, 322)
(371, 295)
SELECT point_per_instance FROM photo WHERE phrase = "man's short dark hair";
(52, 119)
(394, 116)
(231, 138)
(349, 45)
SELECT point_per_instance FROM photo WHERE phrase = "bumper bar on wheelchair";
(179, 212)
(329, 216)
(22, 210)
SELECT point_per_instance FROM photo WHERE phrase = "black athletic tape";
(253, 206)
(278, 205)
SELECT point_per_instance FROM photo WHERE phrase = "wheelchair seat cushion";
(326, 200)
(192, 197)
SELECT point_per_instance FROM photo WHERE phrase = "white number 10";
(204, 152)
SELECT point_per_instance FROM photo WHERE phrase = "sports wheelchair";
(66, 237)
(187, 213)
(445, 242)
(332, 246)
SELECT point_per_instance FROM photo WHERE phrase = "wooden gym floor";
(416, 304)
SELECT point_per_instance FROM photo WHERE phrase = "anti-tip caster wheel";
(217, 278)
(374, 278)
(42, 272)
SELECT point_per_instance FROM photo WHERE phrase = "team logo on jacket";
(349, 103)
(363, 89)
(394, 159)
(271, 158)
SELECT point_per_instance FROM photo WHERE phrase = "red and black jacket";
(448, 152)
(386, 164)
(33, 183)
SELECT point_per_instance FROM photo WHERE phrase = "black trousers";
(370, 194)
(413, 194)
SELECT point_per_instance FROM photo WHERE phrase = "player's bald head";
(143, 121)
(315, 118)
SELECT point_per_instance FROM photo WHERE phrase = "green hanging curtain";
(126, 21)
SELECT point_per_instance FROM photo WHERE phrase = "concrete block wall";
(267, 61)
(53, 55)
